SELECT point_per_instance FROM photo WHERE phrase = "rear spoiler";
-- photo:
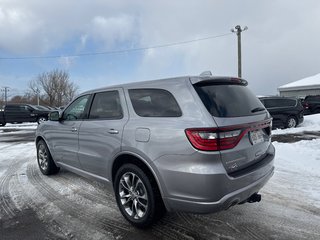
(218, 80)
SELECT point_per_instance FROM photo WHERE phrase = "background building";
(301, 88)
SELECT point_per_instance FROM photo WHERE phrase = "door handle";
(74, 129)
(113, 131)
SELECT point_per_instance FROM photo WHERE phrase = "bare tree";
(56, 87)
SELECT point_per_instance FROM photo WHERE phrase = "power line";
(116, 51)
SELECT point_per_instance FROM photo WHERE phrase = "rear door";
(100, 135)
(234, 107)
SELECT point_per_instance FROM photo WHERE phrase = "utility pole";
(38, 96)
(238, 30)
(5, 90)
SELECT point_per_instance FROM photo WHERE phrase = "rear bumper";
(224, 203)
(202, 185)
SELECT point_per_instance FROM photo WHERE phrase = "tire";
(137, 196)
(291, 122)
(2, 124)
(44, 158)
(41, 119)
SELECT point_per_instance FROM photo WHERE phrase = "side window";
(76, 111)
(154, 103)
(106, 105)
(13, 108)
(23, 108)
(269, 103)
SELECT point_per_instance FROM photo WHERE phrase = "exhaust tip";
(254, 198)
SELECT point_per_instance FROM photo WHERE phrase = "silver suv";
(195, 144)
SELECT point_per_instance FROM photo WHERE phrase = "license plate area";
(256, 136)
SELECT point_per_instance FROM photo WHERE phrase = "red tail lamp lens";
(214, 139)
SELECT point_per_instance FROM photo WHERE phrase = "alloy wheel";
(291, 123)
(133, 195)
(43, 157)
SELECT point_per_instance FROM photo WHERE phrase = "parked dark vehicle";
(311, 104)
(18, 113)
(286, 112)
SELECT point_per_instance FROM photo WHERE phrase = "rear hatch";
(243, 134)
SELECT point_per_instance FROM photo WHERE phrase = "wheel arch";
(39, 138)
(132, 158)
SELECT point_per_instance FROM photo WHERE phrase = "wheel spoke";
(137, 184)
(127, 181)
(135, 207)
(143, 197)
(124, 185)
(141, 204)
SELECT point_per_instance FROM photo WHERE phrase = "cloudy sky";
(281, 45)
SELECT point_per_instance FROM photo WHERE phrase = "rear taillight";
(214, 139)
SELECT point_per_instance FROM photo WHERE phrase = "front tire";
(44, 158)
(291, 122)
(137, 196)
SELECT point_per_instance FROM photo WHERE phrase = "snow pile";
(310, 123)
(298, 171)
(21, 126)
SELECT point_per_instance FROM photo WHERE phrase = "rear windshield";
(229, 100)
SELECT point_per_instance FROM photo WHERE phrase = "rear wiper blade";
(258, 109)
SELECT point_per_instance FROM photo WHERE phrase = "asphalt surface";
(66, 206)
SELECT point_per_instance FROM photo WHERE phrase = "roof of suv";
(172, 81)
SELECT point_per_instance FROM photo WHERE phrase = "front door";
(66, 136)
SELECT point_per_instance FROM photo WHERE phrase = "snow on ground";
(298, 170)
(21, 126)
(9, 152)
(310, 123)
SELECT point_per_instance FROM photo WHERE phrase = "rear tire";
(291, 122)
(44, 158)
(2, 124)
(137, 196)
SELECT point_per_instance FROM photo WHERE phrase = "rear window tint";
(154, 103)
(228, 100)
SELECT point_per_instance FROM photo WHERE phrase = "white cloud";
(280, 46)
(109, 30)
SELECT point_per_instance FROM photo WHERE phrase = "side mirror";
(54, 116)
